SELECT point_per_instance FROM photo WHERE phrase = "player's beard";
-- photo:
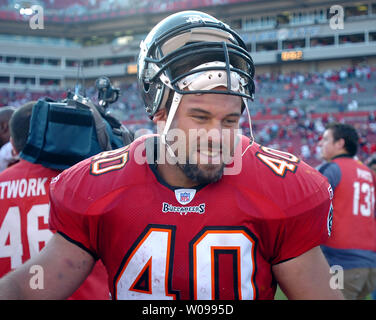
(210, 173)
(198, 166)
(201, 169)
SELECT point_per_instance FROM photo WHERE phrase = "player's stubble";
(202, 169)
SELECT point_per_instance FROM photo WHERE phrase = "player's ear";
(341, 143)
(160, 115)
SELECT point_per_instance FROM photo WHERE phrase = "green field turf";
(279, 295)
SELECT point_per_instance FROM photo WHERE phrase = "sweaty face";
(206, 125)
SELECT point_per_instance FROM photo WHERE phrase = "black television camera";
(63, 133)
(107, 94)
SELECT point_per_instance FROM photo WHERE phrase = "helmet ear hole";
(146, 87)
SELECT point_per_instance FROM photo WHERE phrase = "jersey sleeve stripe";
(79, 244)
(284, 260)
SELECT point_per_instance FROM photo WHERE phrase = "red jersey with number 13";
(354, 221)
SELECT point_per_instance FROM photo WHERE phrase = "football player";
(198, 211)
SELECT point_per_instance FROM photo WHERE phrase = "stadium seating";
(333, 90)
(289, 113)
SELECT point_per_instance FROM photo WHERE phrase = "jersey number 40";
(278, 161)
(146, 270)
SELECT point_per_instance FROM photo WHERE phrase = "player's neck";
(166, 168)
(340, 153)
(174, 176)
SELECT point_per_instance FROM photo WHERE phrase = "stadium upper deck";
(103, 36)
(138, 16)
(325, 68)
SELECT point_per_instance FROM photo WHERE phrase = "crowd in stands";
(335, 90)
(19, 98)
(289, 113)
(299, 132)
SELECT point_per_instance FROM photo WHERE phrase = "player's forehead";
(212, 103)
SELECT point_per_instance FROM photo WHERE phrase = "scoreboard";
(290, 55)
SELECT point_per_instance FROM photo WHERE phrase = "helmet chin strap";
(245, 101)
(174, 107)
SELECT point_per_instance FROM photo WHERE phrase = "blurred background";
(315, 60)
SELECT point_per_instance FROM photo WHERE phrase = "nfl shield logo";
(185, 196)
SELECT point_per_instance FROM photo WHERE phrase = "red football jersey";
(354, 221)
(24, 231)
(216, 241)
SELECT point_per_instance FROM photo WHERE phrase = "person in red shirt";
(353, 242)
(372, 164)
(24, 212)
(197, 211)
